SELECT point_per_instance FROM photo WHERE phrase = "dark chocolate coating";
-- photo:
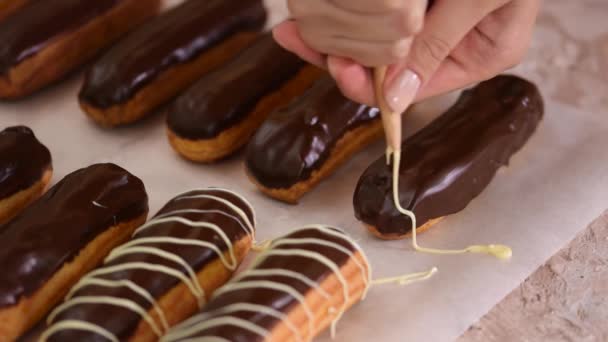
(225, 97)
(23, 160)
(451, 161)
(296, 140)
(173, 38)
(275, 299)
(122, 322)
(33, 27)
(53, 230)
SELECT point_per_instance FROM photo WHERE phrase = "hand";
(456, 44)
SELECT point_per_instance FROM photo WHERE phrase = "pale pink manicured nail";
(402, 91)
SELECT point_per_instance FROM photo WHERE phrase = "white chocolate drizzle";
(279, 248)
(139, 246)
(498, 251)
(269, 272)
(73, 324)
(246, 307)
(87, 280)
(125, 303)
(392, 129)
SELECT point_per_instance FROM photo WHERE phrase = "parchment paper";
(555, 186)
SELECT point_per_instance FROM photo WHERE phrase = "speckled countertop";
(566, 299)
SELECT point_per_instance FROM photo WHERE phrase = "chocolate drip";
(33, 27)
(225, 97)
(53, 230)
(297, 140)
(122, 322)
(451, 161)
(173, 38)
(23, 160)
(271, 298)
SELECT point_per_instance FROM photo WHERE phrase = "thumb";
(446, 24)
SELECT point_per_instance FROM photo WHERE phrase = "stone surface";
(564, 300)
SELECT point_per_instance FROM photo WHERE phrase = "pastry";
(165, 56)
(162, 275)
(450, 162)
(45, 40)
(302, 284)
(7, 7)
(25, 170)
(218, 115)
(303, 143)
(60, 237)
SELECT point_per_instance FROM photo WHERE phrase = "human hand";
(456, 44)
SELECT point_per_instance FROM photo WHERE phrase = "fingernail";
(402, 91)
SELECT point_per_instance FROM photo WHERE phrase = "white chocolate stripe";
(192, 224)
(231, 205)
(161, 254)
(121, 302)
(324, 260)
(315, 241)
(87, 281)
(237, 307)
(255, 272)
(339, 233)
(185, 242)
(155, 268)
(204, 211)
(271, 285)
(77, 325)
(235, 194)
(234, 321)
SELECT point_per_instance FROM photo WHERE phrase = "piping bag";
(390, 120)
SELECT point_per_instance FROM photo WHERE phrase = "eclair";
(7, 7)
(301, 285)
(67, 232)
(45, 40)
(220, 112)
(164, 274)
(165, 56)
(25, 170)
(303, 143)
(451, 161)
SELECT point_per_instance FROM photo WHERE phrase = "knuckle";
(432, 50)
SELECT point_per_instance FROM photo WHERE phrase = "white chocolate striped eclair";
(303, 283)
(164, 274)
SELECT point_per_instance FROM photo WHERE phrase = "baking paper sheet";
(552, 189)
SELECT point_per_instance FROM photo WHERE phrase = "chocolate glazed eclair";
(45, 40)
(450, 162)
(301, 144)
(163, 275)
(303, 283)
(218, 115)
(60, 237)
(167, 55)
(25, 170)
